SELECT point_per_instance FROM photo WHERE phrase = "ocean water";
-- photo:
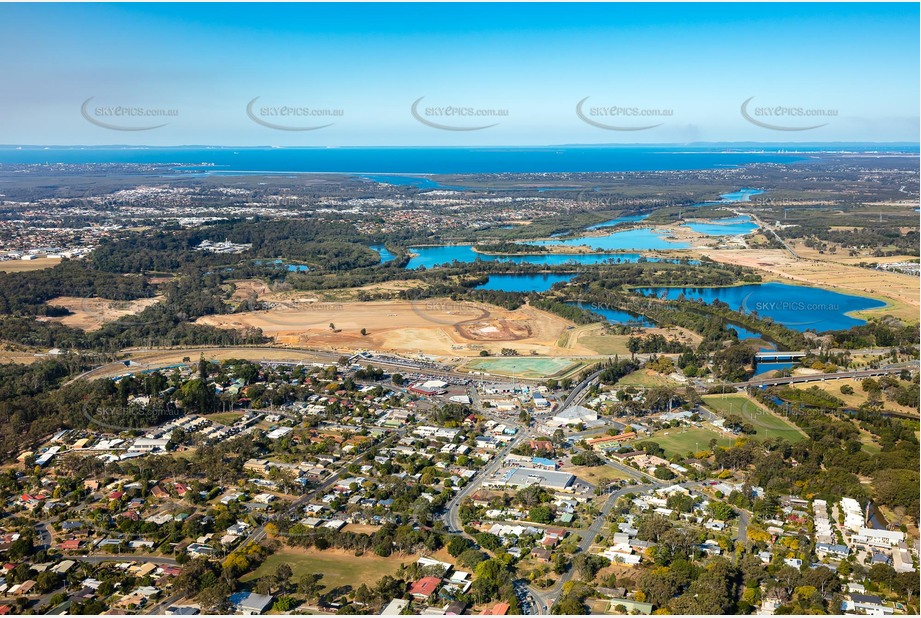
(389, 164)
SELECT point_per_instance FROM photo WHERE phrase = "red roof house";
(425, 587)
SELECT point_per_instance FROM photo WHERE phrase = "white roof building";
(573, 415)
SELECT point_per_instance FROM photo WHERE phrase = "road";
(546, 599)
(744, 517)
(259, 532)
(451, 516)
(764, 226)
(637, 474)
(821, 377)
(99, 558)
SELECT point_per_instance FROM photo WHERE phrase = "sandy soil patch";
(855, 399)
(439, 327)
(245, 288)
(92, 313)
(19, 266)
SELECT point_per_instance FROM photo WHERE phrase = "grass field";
(339, 568)
(594, 474)
(858, 397)
(645, 377)
(766, 424)
(523, 367)
(225, 418)
(606, 344)
(685, 440)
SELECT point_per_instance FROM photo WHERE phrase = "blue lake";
(795, 306)
(617, 221)
(724, 227)
(386, 255)
(523, 283)
(294, 268)
(615, 316)
(742, 195)
(430, 257)
(744, 333)
(641, 239)
(763, 368)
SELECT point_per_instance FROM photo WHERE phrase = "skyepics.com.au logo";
(785, 117)
(126, 117)
(789, 309)
(96, 313)
(592, 198)
(305, 317)
(130, 417)
(291, 117)
(455, 117)
(442, 310)
(620, 118)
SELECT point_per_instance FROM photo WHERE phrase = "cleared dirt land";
(439, 327)
(151, 359)
(899, 291)
(93, 313)
(855, 399)
(21, 266)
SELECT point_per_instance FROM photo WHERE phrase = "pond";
(616, 316)
(524, 283)
(430, 257)
(642, 239)
(386, 255)
(724, 227)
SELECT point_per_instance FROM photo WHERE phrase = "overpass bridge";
(777, 357)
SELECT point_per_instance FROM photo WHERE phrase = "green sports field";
(523, 367)
(684, 440)
(766, 423)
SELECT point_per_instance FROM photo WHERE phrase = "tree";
(721, 510)
(588, 565)
(458, 545)
(471, 558)
(215, 599)
(661, 472)
(569, 605)
(541, 514)
(283, 574)
(309, 585)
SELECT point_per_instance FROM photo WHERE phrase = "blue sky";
(693, 65)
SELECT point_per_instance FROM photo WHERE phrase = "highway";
(821, 377)
(764, 226)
